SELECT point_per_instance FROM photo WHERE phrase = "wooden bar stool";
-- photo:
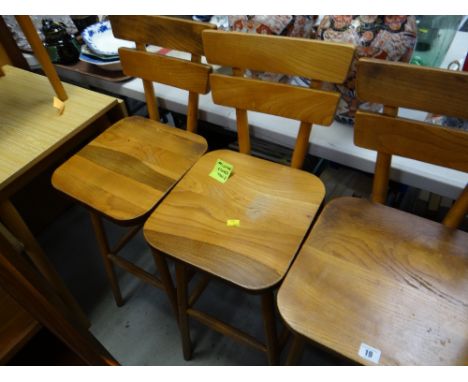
(375, 284)
(127, 170)
(272, 206)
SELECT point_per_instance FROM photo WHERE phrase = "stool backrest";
(170, 33)
(316, 60)
(433, 90)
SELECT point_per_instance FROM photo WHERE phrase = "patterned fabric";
(386, 37)
(295, 26)
(18, 34)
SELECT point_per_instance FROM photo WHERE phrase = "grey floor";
(144, 331)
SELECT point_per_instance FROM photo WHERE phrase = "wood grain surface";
(315, 60)
(126, 170)
(303, 135)
(27, 287)
(434, 90)
(323, 61)
(16, 327)
(171, 71)
(169, 32)
(308, 105)
(31, 128)
(403, 85)
(375, 275)
(434, 144)
(274, 203)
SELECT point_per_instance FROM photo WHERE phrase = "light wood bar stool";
(375, 284)
(274, 204)
(127, 170)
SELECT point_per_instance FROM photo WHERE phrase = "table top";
(31, 128)
(334, 143)
(370, 274)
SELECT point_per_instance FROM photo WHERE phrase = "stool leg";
(268, 312)
(166, 279)
(295, 352)
(104, 251)
(182, 299)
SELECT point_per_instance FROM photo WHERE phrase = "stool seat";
(372, 274)
(274, 204)
(126, 170)
(373, 283)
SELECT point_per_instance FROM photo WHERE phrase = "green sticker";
(221, 171)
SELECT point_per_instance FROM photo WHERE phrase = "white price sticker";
(369, 353)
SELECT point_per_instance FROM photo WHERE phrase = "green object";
(62, 48)
(417, 60)
(435, 34)
(221, 171)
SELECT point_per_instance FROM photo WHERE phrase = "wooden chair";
(274, 204)
(379, 285)
(127, 170)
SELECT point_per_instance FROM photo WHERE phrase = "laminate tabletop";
(31, 128)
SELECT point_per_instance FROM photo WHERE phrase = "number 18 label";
(369, 353)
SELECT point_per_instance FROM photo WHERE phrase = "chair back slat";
(411, 139)
(433, 90)
(171, 71)
(168, 32)
(319, 60)
(165, 32)
(405, 85)
(304, 104)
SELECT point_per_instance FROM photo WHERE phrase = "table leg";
(15, 224)
(27, 287)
